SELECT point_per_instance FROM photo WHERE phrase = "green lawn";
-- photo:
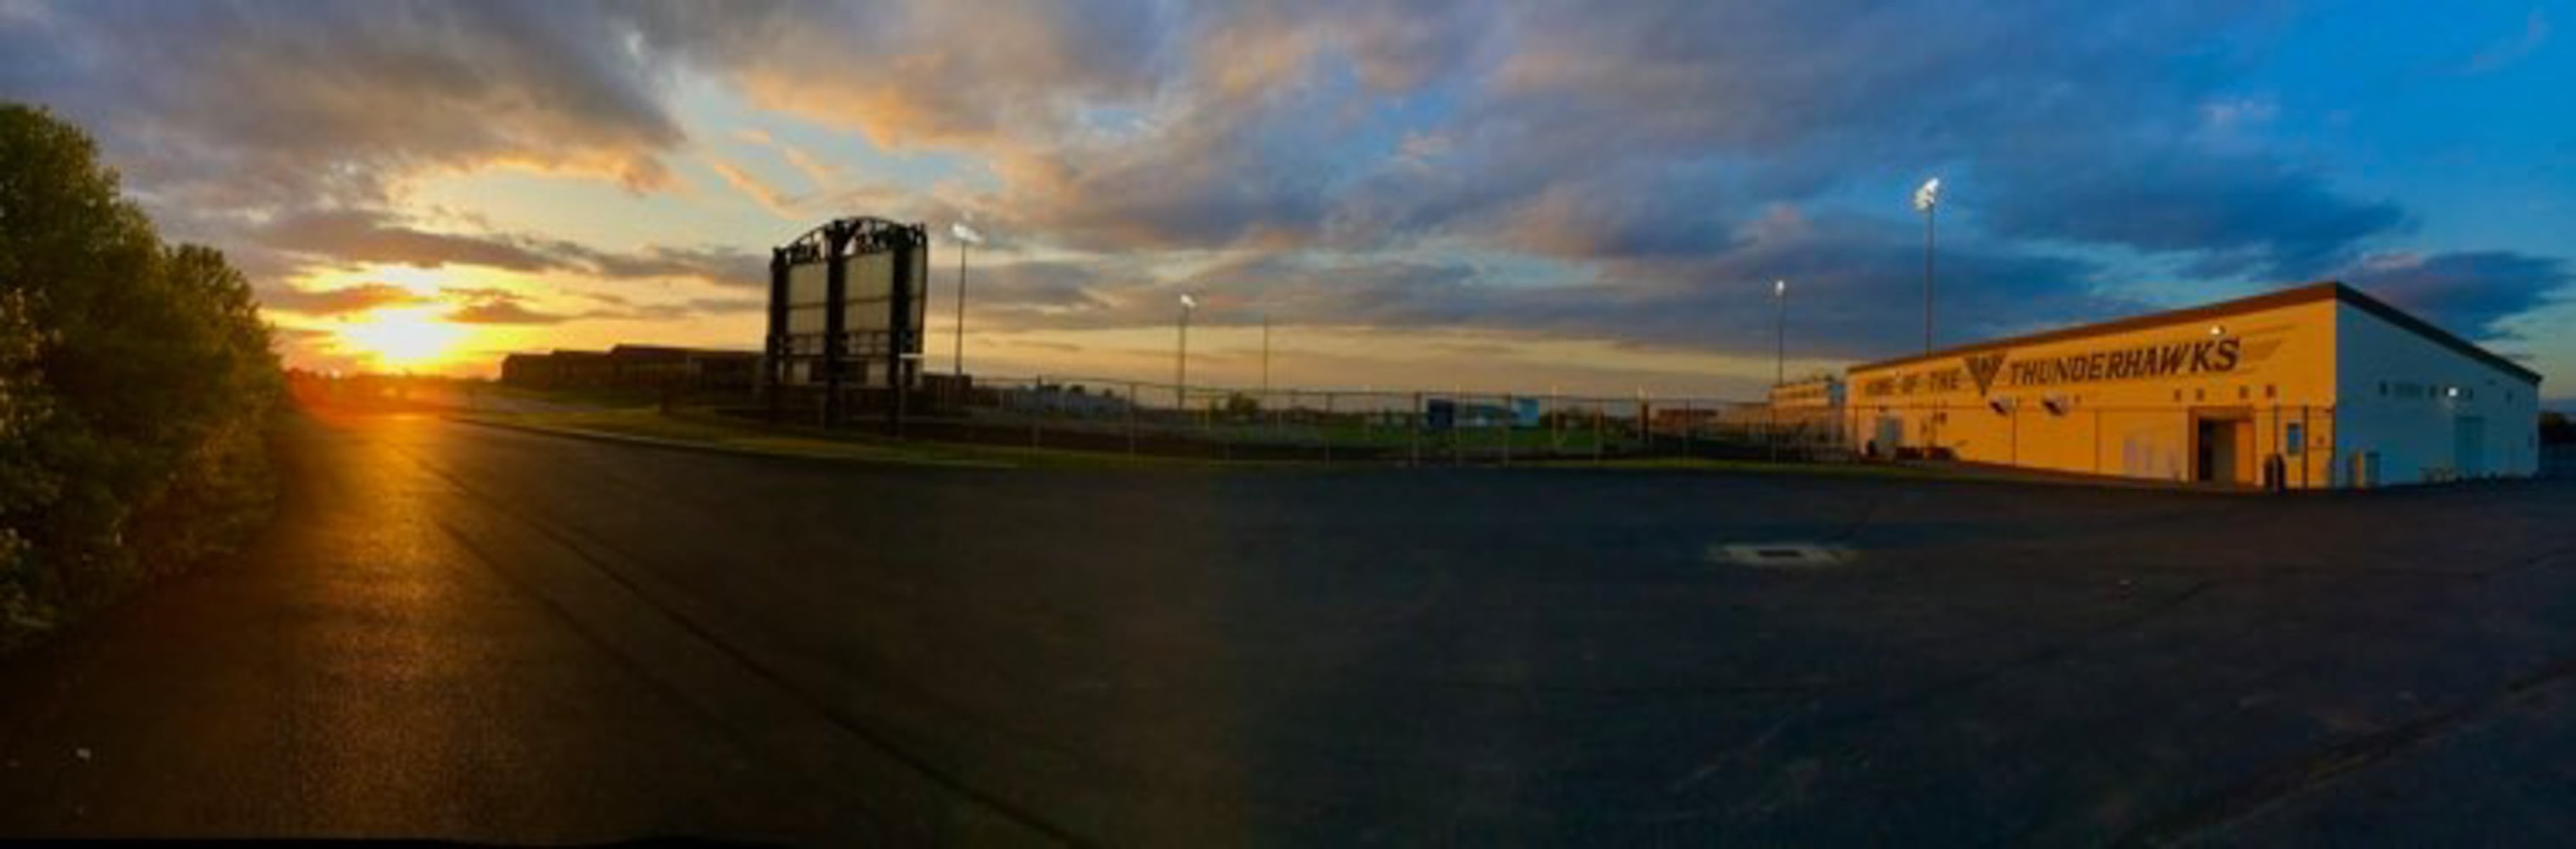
(700, 427)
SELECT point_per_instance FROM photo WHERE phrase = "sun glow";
(401, 338)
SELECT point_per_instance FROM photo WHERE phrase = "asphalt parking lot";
(483, 634)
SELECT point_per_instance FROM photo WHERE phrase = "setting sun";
(400, 338)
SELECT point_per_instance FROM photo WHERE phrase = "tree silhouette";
(136, 383)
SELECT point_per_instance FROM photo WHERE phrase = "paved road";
(464, 632)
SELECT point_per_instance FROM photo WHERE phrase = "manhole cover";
(1779, 555)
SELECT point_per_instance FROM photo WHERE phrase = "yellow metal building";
(2310, 387)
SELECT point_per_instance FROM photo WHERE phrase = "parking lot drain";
(1778, 555)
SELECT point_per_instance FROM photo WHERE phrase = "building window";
(2271, 391)
(2200, 395)
(2177, 396)
(2244, 392)
(2383, 389)
(2294, 439)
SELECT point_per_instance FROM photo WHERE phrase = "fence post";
(2334, 457)
(1417, 428)
(1645, 424)
(1457, 443)
(1327, 427)
(1555, 422)
(1600, 426)
(1690, 427)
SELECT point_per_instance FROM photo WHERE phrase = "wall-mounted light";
(2451, 392)
(2218, 330)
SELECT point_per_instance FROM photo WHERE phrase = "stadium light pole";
(966, 238)
(1181, 358)
(1927, 200)
(1265, 357)
(1779, 363)
(1780, 360)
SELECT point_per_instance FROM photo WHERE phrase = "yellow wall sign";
(1990, 370)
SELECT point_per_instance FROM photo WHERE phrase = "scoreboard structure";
(846, 302)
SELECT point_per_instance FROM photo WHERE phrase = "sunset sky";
(1585, 196)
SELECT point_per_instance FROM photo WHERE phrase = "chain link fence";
(2266, 443)
(1374, 425)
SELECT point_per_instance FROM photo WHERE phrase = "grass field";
(703, 428)
(697, 427)
(1575, 444)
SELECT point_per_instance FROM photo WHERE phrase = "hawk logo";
(1984, 367)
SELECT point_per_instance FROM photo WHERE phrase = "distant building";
(653, 365)
(634, 366)
(526, 370)
(1814, 393)
(1815, 401)
(1686, 419)
(1448, 413)
(1075, 399)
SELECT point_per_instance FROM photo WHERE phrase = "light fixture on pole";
(1927, 200)
(1181, 361)
(1265, 358)
(966, 238)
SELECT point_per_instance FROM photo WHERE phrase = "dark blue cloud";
(1856, 291)
(2241, 216)
(1332, 161)
(2467, 292)
(247, 106)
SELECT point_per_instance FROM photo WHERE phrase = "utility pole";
(1265, 358)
